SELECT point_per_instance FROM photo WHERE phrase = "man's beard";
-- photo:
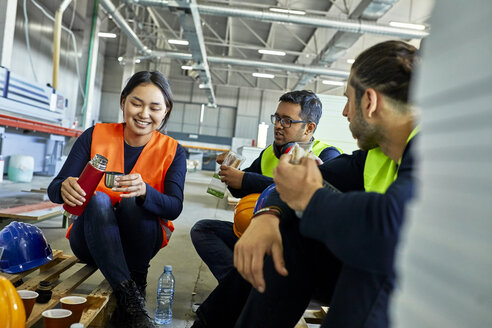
(365, 134)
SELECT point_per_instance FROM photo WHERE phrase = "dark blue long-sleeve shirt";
(168, 205)
(360, 228)
(255, 182)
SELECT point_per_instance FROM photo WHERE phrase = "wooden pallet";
(94, 314)
(312, 316)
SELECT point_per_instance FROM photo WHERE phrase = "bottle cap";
(168, 268)
(45, 283)
(99, 162)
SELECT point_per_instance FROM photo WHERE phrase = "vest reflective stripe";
(269, 161)
(380, 171)
(152, 164)
(166, 226)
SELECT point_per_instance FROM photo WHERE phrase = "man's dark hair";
(386, 67)
(311, 107)
(156, 78)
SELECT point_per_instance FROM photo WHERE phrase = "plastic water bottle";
(165, 297)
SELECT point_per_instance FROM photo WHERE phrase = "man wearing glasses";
(295, 120)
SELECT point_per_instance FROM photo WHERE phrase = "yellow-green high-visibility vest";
(269, 161)
(380, 171)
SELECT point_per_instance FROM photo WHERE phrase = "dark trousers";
(214, 241)
(119, 240)
(357, 298)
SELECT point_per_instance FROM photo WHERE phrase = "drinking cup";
(28, 298)
(57, 318)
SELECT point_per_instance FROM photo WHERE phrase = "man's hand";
(231, 176)
(262, 237)
(131, 185)
(71, 192)
(296, 184)
(221, 157)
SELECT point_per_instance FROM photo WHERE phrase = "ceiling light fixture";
(106, 35)
(181, 42)
(264, 75)
(287, 11)
(350, 61)
(186, 67)
(271, 52)
(419, 27)
(329, 82)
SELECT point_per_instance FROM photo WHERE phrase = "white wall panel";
(210, 116)
(227, 119)
(174, 127)
(198, 95)
(227, 96)
(208, 130)
(191, 114)
(246, 127)
(177, 114)
(190, 128)
(333, 127)
(41, 42)
(249, 103)
(110, 107)
(269, 106)
(445, 260)
(181, 90)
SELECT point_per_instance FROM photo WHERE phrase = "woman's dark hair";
(156, 78)
(386, 67)
(310, 104)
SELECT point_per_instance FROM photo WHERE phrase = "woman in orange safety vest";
(122, 228)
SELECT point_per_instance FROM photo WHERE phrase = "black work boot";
(131, 307)
(141, 282)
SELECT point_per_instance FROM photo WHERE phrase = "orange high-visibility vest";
(152, 164)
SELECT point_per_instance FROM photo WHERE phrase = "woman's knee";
(100, 201)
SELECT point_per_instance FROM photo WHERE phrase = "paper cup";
(76, 304)
(57, 318)
(28, 298)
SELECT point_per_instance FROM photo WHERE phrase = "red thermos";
(88, 181)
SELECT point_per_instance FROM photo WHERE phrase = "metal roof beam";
(190, 22)
(284, 67)
(343, 40)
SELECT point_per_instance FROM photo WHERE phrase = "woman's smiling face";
(144, 109)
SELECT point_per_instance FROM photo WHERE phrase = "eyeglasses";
(285, 122)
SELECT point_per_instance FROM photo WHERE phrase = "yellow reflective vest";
(380, 171)
(269, 161)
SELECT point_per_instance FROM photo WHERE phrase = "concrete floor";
(194, 280)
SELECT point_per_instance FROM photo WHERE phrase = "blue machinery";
(19, 135)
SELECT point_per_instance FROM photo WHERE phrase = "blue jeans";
(214, 241)
(357, 298)
(119, 240)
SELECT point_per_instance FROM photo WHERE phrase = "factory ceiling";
(286, 44)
